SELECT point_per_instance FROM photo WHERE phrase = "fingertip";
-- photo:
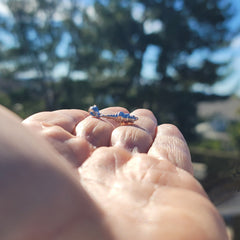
(112, 110)
(141, 112)
(167, 129)
(169, 144)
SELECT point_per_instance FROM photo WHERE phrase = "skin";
(66, 175)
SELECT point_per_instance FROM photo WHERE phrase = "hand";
(139, 175)
(139, 178)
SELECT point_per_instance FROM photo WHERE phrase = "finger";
(113, 110)
(67, 119)
(131, 138)
(170, 145)
(146, 120)
(96, 131)
(74, 149)
(137, 137)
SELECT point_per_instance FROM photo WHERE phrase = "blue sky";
(232, 82)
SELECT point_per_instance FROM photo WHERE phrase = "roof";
(229, 108)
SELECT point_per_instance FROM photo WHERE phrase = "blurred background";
(179, 58)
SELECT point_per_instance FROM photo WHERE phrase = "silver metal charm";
(121, 117)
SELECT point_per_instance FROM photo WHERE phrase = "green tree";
(39, 36)
(107, 41)
(184, 28)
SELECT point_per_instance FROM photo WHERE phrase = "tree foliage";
(104, 44)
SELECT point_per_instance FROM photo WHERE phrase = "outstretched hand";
(139, 175)
(66, 175)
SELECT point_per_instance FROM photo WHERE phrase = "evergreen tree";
(184, 28)
(38, 32)
(106, 42)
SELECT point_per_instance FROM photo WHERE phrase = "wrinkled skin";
(66, 175)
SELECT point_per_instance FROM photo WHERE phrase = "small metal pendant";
(121, 117)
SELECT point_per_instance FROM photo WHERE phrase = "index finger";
(137, 137)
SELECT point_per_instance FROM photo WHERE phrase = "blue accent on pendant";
(120, 116)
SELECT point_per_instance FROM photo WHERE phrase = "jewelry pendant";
(121, 117)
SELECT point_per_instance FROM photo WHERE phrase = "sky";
(230, 84)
